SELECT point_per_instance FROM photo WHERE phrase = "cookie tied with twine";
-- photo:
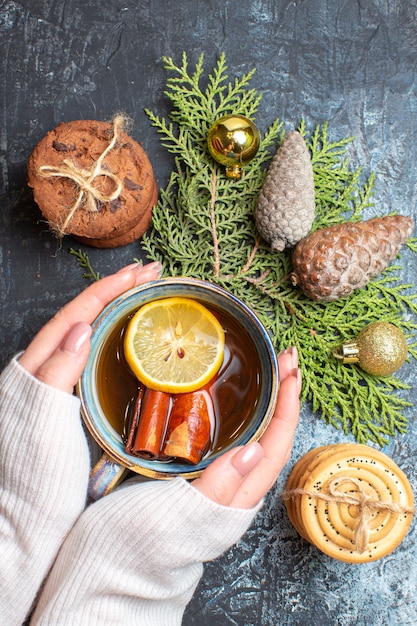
(352, 502)
(91, 180)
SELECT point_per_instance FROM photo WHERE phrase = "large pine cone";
(331, 263)
(286, 206)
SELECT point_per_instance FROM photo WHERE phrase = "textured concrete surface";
(350, 62)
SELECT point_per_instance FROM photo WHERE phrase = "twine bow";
(364, 502)
(88, 194)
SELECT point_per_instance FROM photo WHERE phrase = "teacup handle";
(104, 477)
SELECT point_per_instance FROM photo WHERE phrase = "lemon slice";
(174, 344)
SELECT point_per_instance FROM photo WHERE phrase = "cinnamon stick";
(132, 420)
(153, 415)
(188, 431)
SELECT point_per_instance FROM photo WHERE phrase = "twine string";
(365, 503)
(88, 195)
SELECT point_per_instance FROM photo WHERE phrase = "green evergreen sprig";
(84, 261)
(203, 227)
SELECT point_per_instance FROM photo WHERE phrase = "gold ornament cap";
(233, 141)
(380, 349)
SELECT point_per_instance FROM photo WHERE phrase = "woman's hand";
(241, 477)
(58, 353)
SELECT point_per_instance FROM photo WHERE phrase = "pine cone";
(331, 263)
(286, 206)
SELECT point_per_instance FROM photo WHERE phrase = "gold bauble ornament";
(233, 141)
(380, 349)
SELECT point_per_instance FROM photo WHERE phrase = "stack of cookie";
(91, 180)
(349, 500)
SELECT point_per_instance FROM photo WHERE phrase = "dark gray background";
(350, 62)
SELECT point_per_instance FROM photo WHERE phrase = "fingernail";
(286, 351)
(77, 338)
(247, 457)
(292, 350)
(294, 356)
(129, 267)
(155, 266)
(154, 270)
(296, 372)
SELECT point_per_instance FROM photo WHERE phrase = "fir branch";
(84, 261)
(412, 244)
(203, 226)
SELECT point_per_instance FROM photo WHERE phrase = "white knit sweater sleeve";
(135, 557)
(44, 466)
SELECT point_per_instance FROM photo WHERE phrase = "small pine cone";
(286, 206)
(331, 263)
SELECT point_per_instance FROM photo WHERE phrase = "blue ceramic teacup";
(251, 336)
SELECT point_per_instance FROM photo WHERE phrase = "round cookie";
(131, 235)
(353, 502)
(297, 479)
(93, 181)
